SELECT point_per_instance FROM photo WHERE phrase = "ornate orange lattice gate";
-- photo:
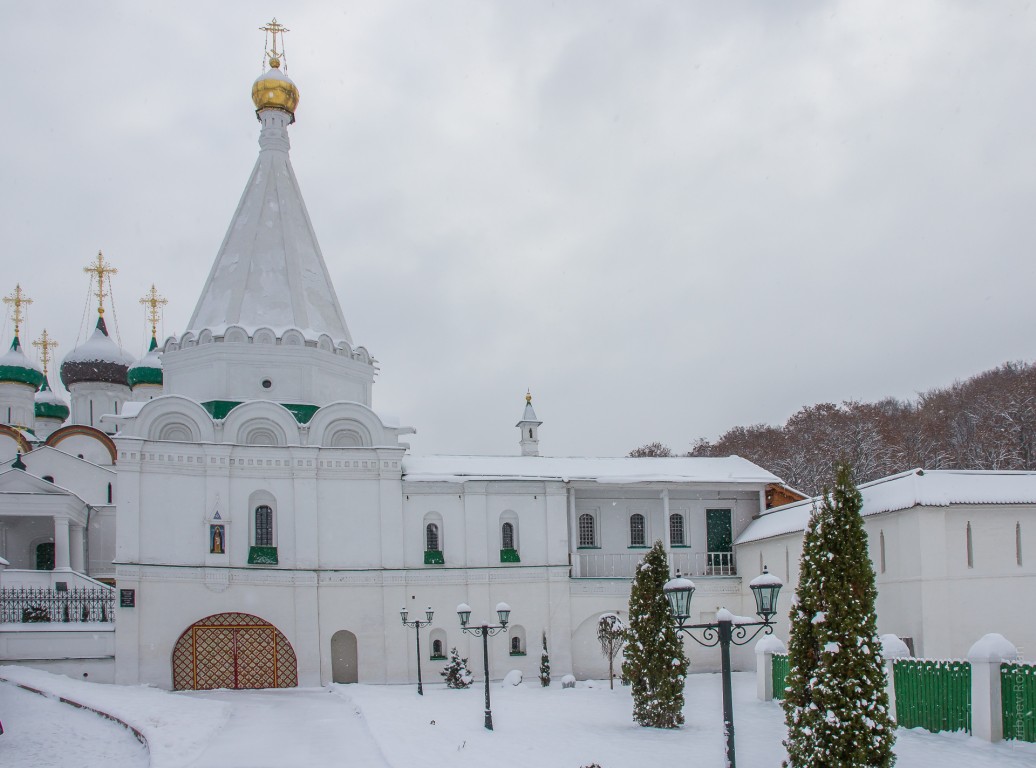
(233, 650)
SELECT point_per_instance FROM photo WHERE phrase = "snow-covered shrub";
(456, 672)
(512, 679)
(568, 681)
(544, 663)
(611, 634)
(35, 614)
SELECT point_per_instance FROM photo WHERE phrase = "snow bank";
(177, 728)
(511, 679)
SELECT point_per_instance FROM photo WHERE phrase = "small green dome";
(147, 370)
(16, 367)
(49, 404)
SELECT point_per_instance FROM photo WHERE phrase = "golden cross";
(17, 299)
(273, 29)
(153, 303)
(44, 344)
(102, 270)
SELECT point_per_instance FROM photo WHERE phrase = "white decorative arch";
(361, 354)
(235, 334)
(187, 340)
(264, 336)
(293, 338)
(259, 421)
(347, 425)
(325, 343)
(345, 349)
(205, 337)
(163, 412)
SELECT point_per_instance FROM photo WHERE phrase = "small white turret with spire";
(530, 429)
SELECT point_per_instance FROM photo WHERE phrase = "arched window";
(109, 493)
(264, 526)
(637, 535)
(45, 556)
(507, 536)
(438, 645)
(517, 642)
(587, 531)
(676, 530)
(431, 537)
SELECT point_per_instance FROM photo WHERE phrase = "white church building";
(267, 524)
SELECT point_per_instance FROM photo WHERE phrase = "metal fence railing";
(934, 695)
(780, 675)
(1018, 699)
(27, 605)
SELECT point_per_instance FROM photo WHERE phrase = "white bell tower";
(530, 429)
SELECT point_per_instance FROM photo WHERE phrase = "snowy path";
(44, 733)
(303, 727)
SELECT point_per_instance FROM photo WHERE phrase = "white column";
(665, 520)
(76, 540)
(61, 543)
(987, 717)
(764, 651)
(573, 532)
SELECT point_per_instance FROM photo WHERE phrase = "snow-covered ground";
(372, 726)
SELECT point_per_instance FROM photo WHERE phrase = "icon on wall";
(217, 540)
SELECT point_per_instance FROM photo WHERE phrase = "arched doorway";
(233, 650)
(343, 657)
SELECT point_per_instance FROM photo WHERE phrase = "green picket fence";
(1018, 697)
(934, 695)
(779, 674)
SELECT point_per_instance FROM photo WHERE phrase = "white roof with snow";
(269, 272)
(915, 488)
(730, 469)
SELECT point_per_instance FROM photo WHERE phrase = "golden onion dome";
(275, 90)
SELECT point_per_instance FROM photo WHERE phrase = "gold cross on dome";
(273, 29)
(102, 270)
(17, 300)
(44, 344)
(153, 304)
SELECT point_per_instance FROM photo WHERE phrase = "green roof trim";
(218, 409)
(143, 374)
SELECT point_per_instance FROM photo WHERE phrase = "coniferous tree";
(836, 705)
(544, 663)
(456, 671)
(654, 664)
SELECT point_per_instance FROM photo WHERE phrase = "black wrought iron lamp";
(727, 629)
(417, 624)
(485, 631)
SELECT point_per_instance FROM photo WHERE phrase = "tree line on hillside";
(985, 422)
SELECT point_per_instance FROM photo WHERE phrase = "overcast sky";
(666, 219)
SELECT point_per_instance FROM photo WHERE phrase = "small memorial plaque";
(61, 586)
(127, 598)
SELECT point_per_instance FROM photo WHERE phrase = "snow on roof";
(914, 488)
(730, 469)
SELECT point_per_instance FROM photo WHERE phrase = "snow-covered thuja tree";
(456, 671)
(544, 663)
(654, 665)
(835, 704)
(611, 634)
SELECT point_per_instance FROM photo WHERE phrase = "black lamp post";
(417, 624)
(727, 629)
(485, 631)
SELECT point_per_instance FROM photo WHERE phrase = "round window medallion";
(267, 383)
